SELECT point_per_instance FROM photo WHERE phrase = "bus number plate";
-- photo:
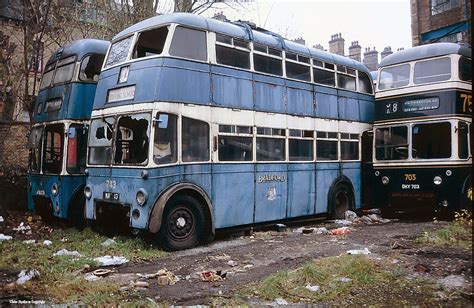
(111, 196)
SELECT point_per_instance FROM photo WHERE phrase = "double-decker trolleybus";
(422, 128)
(200, 125)
(58, 138)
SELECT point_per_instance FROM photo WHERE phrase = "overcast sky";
(374, 23)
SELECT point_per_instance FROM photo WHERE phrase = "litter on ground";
(4, 237)
(312, 288)
(345, 279)
(1, 219)
(65, 252)
(29, 241)
(341, 231)
(47, 243)
(25, 276)
(364, 251)
(211, 276)
(22, 228)
(108, 242)
(110, 260)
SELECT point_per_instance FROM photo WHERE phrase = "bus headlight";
(437, 180)
(449, 172)
(385, 180)
(88, 192)
(54, 189)
(141, 197)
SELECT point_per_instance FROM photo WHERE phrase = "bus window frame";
(79, 79)
(414, 63)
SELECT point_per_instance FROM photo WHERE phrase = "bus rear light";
(385, 180)
(437, 180)
(55, 189)
(88, 192)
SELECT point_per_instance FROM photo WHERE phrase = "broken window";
(165, 143)
(100, 141)
(34, 145)
(131, 139)
(76, 148)
(90, 67)
(150, 43)
(119, 51)
(189, 43)
(195, 140)
(53, 148)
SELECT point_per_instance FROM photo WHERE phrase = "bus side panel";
(270, 192)
(348, 106)
(199, 174)
(352, 170)
(269, 94)
(233, 194)
(81, 100)
(232, 88)
(68, 185)
(326, 102)
(366, 108)
(61, 92)
(184, 81)
(326, 173)
(299, 98)
(301, 194)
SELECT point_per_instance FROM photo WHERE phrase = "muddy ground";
(248, 257)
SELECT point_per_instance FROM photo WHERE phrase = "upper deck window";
(232, 51)
(189, 43)
(47, 76)
(346, 78)
(64, 70)
(365, 85)
(296, 70)
(90, 67)
(394, 77)
(119, 51)
(267, 60)
(432, 70)
(150, 43)
(465, 69)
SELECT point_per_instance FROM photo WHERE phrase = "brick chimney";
(336, 44)
(355, 51)
(371, 59)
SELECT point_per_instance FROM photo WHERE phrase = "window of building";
(235, 143)
(195, 140)
(150, 43)
(391, 143)
(53, 148)
(326, 146)
(90, 67)
(300, 145)
(165, 145)
(232, 51)
(431, 140)
(440, 6)
(394, 77)
(189, 43)
(76, 148)
(349, 146)
(132, 140)
(432, 70)
(465, 69)
(36, 60)
(270, 144)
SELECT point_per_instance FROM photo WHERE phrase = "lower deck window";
(131, 142)
(326, 146)
(270, 149)
(431, 141)
(165, 146)
(195, 140)
(235, 148)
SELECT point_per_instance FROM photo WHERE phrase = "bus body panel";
(352, 170)
(300, 98)
(231, 88)
(301, 182)
(326, 102)
(326, 173)
(270, 192)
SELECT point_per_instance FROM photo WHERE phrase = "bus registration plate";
(111, 196)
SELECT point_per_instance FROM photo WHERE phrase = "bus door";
(367, 168)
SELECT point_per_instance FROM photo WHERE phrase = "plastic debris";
(108, 242)
(1, 219)
(364, 251)
(397, 245)
(340, 231)
(343, 222)
(29, 241)
(110, 260)
(4, 237)
(65, 252)
(247, 266)
(312, 288)
(166, 278)
(378, 218)
(22, 228)
(365, 219)
(281, 228)
(232, 263)
(350, 215)
(281, 301)
(345, 279)
(308, 230)
(91, 277)
(211, 276)
(452, 281)
(47, 243)
(101, 272)
(395, 261)
(25, 276)
(372, 211)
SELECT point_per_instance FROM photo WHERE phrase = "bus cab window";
(463, 147)
(195, 140)
(34, 145)
(76, 148)
(100, 141)
(150, 43)
(131, 143)
(431, 140)
(53, 148)
(189, 43)
(90, 67)
(165, 140)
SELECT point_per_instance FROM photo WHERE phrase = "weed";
(457, 233)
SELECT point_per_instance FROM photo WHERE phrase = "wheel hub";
(180, 222)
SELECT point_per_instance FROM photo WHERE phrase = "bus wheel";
(77, 213)
(182, 225)
(342, 199)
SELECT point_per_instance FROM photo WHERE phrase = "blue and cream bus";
(58, 137)
(422, 128)
(201, 125)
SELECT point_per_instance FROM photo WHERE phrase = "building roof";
(425, 51)
(80, 48)
(240, 30)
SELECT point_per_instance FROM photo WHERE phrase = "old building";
(386, 52)
(336, 44)
(440, 21)
(371, 59)
(355, 51)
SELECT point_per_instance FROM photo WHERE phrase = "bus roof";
(240, 30)
(425, 51)
(80, 48)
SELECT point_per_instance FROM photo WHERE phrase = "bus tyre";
(342, 199)
(77, 213)
(183, 223)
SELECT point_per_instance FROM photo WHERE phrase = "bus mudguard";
(157, 211)
(340, 185)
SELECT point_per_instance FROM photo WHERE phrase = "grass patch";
(352, 279)
(458, 233)
(61, 277)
